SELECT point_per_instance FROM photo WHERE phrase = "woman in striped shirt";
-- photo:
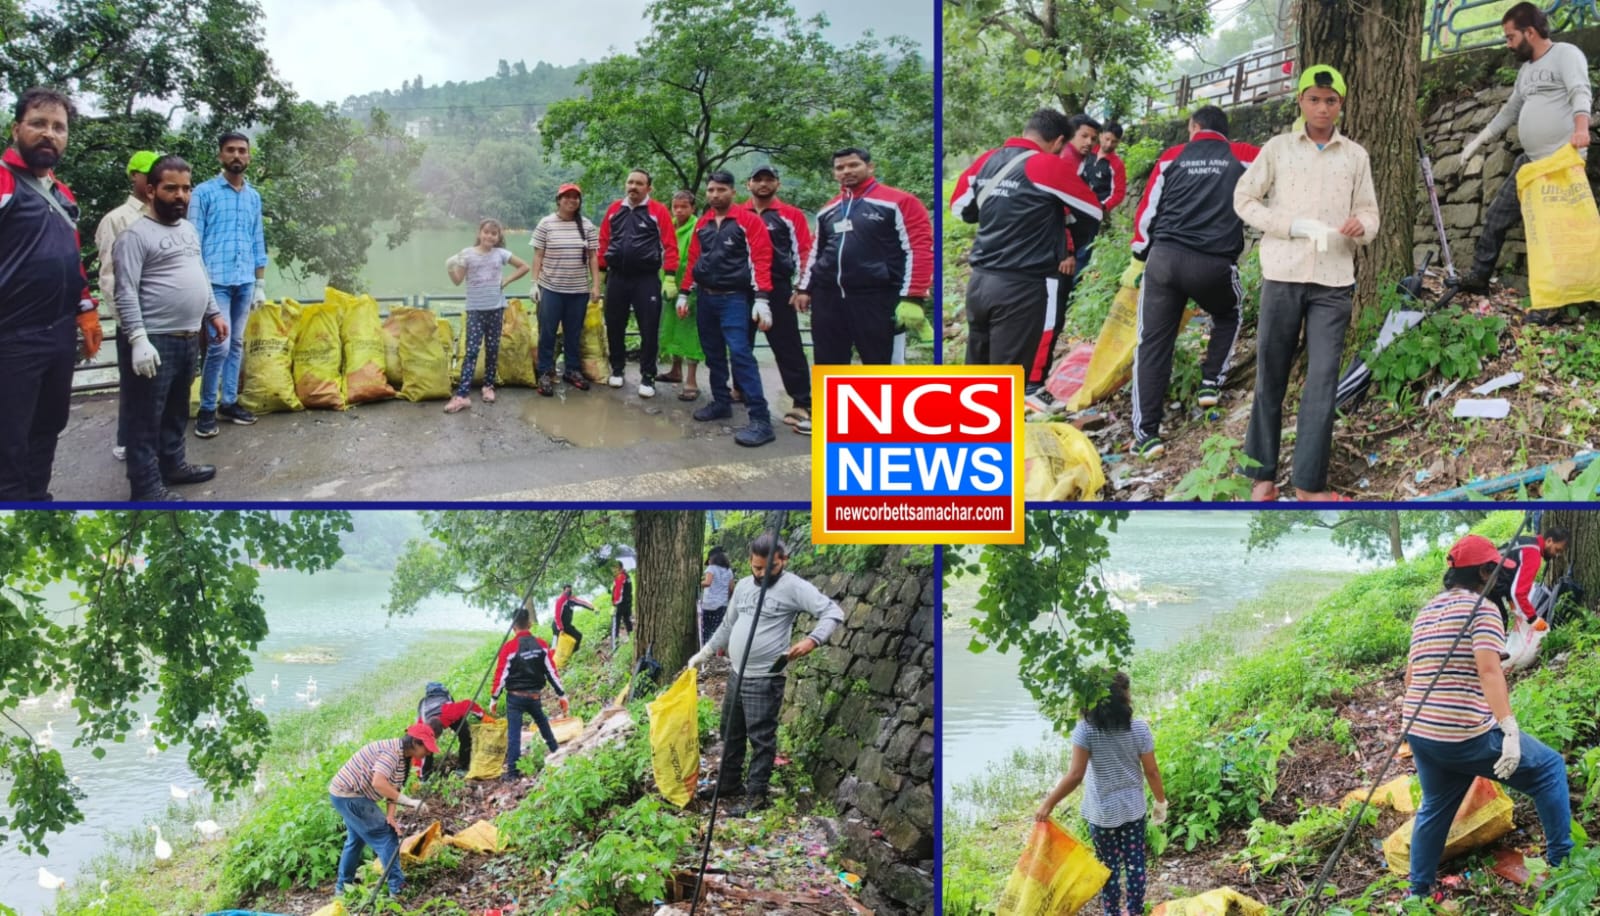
(1460, 725)
(373, 774)
(1112, 755)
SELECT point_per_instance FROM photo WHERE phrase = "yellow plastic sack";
(592, 345)
(194, 397)
(675, 738)
(519, 338)
(488, 748)
(424, 356)
(1111, 365)
(266, 380)
(417, 848)
(565, 646)
(480, 837)
(335, 908)
(565, 728)
(1484, 816)
(317, 357)
(1396, 794)
(1563, 229)
(1224, 901)
(1059, 463)
(1056, 875)
(365, 362)
(391, 345)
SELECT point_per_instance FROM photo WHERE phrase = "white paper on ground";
(1497, 383)
(1488, 409)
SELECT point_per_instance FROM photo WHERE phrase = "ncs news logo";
(917, 455)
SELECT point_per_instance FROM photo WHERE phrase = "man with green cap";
(1310, 193)
(111, 226)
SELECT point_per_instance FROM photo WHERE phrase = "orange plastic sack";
(1056, 876)
(365, 362)
(266, 380)
(417, 848)
(1484, 816)
(317, 357)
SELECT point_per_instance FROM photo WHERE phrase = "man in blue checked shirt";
(226, 212)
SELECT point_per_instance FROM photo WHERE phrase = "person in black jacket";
(622, 602)
(1186, 242)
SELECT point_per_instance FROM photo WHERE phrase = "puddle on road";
(598, 419)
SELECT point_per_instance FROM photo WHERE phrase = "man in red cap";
(1459, 720)
(373, 774)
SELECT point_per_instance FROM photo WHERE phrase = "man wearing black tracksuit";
(637, 243)
(1514, 587)
(1023, 197)
(1189, 239)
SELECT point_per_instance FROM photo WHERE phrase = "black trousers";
(788, 349)
(1503, 212)
(463, 755)
(1324, 314)
(1005, 318)
(158, 409)
(624, 616)
(36, 376)
(862, 322)
(1172, 277)
(640, 295)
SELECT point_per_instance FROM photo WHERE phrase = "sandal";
(689, 394)
(673, 377)
(488, 394)
(457, 404)
(797, 416)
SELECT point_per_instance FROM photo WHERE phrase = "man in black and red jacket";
(1187, 239)
(872, 254)
(1022, 196)
(525, 665)
(637, 243)
(44, 295)
(791, 243)
(730, 266)
(1527, 555)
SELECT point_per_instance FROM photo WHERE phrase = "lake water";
(331, 626)
(415, 268)
(1179, 569)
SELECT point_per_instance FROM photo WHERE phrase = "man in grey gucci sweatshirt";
(750, 708)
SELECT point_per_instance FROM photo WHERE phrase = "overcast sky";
(348, 47)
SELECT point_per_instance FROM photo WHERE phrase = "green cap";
(1333, 80)
(141, 161)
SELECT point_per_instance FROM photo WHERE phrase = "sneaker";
(755, 434)
(189, 473)
(1040, 400)
(205, 424)
(576, 380)
(237, 414)
(457, 404)
(647, 390)
(1149, 449)
(713, 411)
(752, 805)
(119, 452)
(615, 381)
(547, 384)
(1207, 397)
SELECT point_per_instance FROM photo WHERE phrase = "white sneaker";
(615, 381)
(647, 390)
(119, 452)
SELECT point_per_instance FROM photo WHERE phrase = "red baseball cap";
(569, 187)
(421, 732)
(1475, 550)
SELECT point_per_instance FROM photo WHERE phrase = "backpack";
(526, 668)
(434, 696)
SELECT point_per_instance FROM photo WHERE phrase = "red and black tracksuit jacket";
(1188, 200)
(41, 268)
(1106, 176)
(1528, 555)
(790, 237)
(732, 255)
(888, 248)
(1022, 227)
(638, 240)
(520, 677)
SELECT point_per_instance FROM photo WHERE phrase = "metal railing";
(1253, 78)
(1466, 25)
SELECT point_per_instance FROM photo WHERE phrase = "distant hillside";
(510, 103)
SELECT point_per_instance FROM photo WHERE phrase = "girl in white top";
(481, 266)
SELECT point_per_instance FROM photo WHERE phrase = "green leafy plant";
(630, 861)
(1452, 342)
(1215, 476)
(1574, 887)
(1581, 489)
(1305, 842)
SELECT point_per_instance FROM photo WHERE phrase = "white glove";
(453, 262)
(1158, 815)
(406, 801)
(683, 305)
(1475, 144)
(259, 295)
(761, 314)
(535, 296)
(1510, 749)
(1316, 230)
(699, 658)
(145, 357)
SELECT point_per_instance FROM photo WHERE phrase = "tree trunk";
(1376, 45)
(670, 547)
(1583, 552)
(1396, 546)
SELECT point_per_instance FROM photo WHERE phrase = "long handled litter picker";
(1353, 385)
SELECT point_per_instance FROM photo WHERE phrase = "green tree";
(720, 81)
(1044, 600)
(161, 601)
(1373, 534)
(670, 547)
(1005, 58)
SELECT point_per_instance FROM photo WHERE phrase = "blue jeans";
(221, 372)
(366, 826)
(515, 707)
(724, 320)
(565, 311)
(1447, 768)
